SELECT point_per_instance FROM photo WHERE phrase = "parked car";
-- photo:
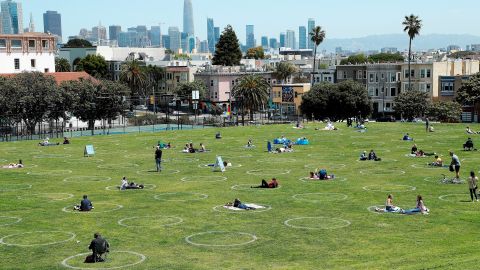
(278, 117)
(141, 107)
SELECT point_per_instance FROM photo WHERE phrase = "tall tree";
(411, 104)
(285, 70)
(133, 75)
(255, 53)
(62, 65)
(469, 92)
(253, 93)
(412, 26)
(445, 111)
(95, 65)
(155, 76)
(184, 90)
(317, 35)
(227, 50)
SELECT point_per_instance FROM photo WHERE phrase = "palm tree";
(285, 70)
(62, 65)
(412, 27)
(134, 77)
(316, 36)
(253, 92)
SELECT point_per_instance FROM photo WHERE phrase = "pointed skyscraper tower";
(31, 26)
(188, 27)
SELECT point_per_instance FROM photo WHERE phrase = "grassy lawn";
(178, 221)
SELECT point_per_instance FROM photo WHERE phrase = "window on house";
(376, 77)
(371, 77)
(405, 73)
(16, 63)
(359, 74)
(371, 91)
(233, 82)
(412, 73)
(376, 92)
(383, 76)
(393, 91)
(46, 70)
(422, 73)
(16, 43)
(447, 89)
(345, 75)
(178, 79)
(45, 44)
(428, 87)
(31, 43)
(32, 63)
(211, 82)
(429, 73)
(423, 87)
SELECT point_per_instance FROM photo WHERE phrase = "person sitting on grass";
(419, 207)
(99, 246)
(389, 206)
(407, 137)
(218, 135)
(238, 204)
(85, 205)
(414, 149)
(468, 145)
(437, 163)
(66, 140)
(373, 156)
(272, 184)
(191, 149)
(202, 148)
(124, 183)
(364, 156)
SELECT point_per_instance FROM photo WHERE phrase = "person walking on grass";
(472, 185)
(158, 158)
(427, 124)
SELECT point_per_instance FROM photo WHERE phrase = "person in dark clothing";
(158, 158)
(99, 246)
(66, 140)
(85, 204)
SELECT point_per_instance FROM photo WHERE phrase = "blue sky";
(340, 19)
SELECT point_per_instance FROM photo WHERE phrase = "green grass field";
(178, 221)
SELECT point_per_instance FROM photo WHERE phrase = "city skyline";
(337, 21)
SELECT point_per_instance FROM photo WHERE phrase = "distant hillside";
(400, 41)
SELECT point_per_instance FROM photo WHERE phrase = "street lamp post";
(195, 98)
(383, 99)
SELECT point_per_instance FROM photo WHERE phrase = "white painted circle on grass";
(145, 187)
(317, 223)
(154, 172)
(82, 160)
(118, 166)
(169, 221)
(52, 156)
(249, 187)
(252, 237)
(320, 197)
(425, 166)
(236, 165)
(382, 172)
(220, 208)
(203, 178)
(377, 150)
(455, 197)
(325, 165)
(69, 209)
(310, 180)
(268, 172)
(228, 157)
(51, 173)
(372, 209)
(50, 196)
(81, 179)
(13, 187)
(273, 160)
(170, 197)
(368, 144)
(43, 233)
(4, 220)
(82, 255)
(389, 188)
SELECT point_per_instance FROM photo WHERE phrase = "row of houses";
(384, 81)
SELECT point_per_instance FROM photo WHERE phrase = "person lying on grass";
(238, 204)
(407, 137)
(14, 165)
(272, 184)
(321, 175)
(389, 206)
(46, 142)
(419, 207)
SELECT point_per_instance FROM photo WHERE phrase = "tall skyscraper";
(155, 36)
(265, 42)
(273, 43)
(31, 25)
(290, 40)
(113, 31)
(175, 38)
(188, 27)
(99, 33)
(311, 25)
(52, 23)
(210, 35)
(302, 34)
(217, 34)
(282, 40)
(11, 15)
(250, 39)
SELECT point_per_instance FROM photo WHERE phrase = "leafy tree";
(78, 43)
(227, 50)
(445, 111)
(412, 27)
(134, 76)
(462, 54)
(95, 65)
(469, 92)
(317, 35)
(336, 101)
(62, 65)
(253, 93)
(355, 59)
(155, 76)
(285, 70)
(185, 89)
(255, 53)
(385, 58)
(110, 102)
(411, 104)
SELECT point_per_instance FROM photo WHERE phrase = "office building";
(52, 23)
(302, 35)
(311, 25)
(217, 34)
(211, 35)
(265, 42)
(175, 38)
(155, 36)
(250, 38)
(188, 27)
(11, 15)
(114, 31)
(99, 33)
(273, 43)
(290, 40)
(282, 40)
(204, 46)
